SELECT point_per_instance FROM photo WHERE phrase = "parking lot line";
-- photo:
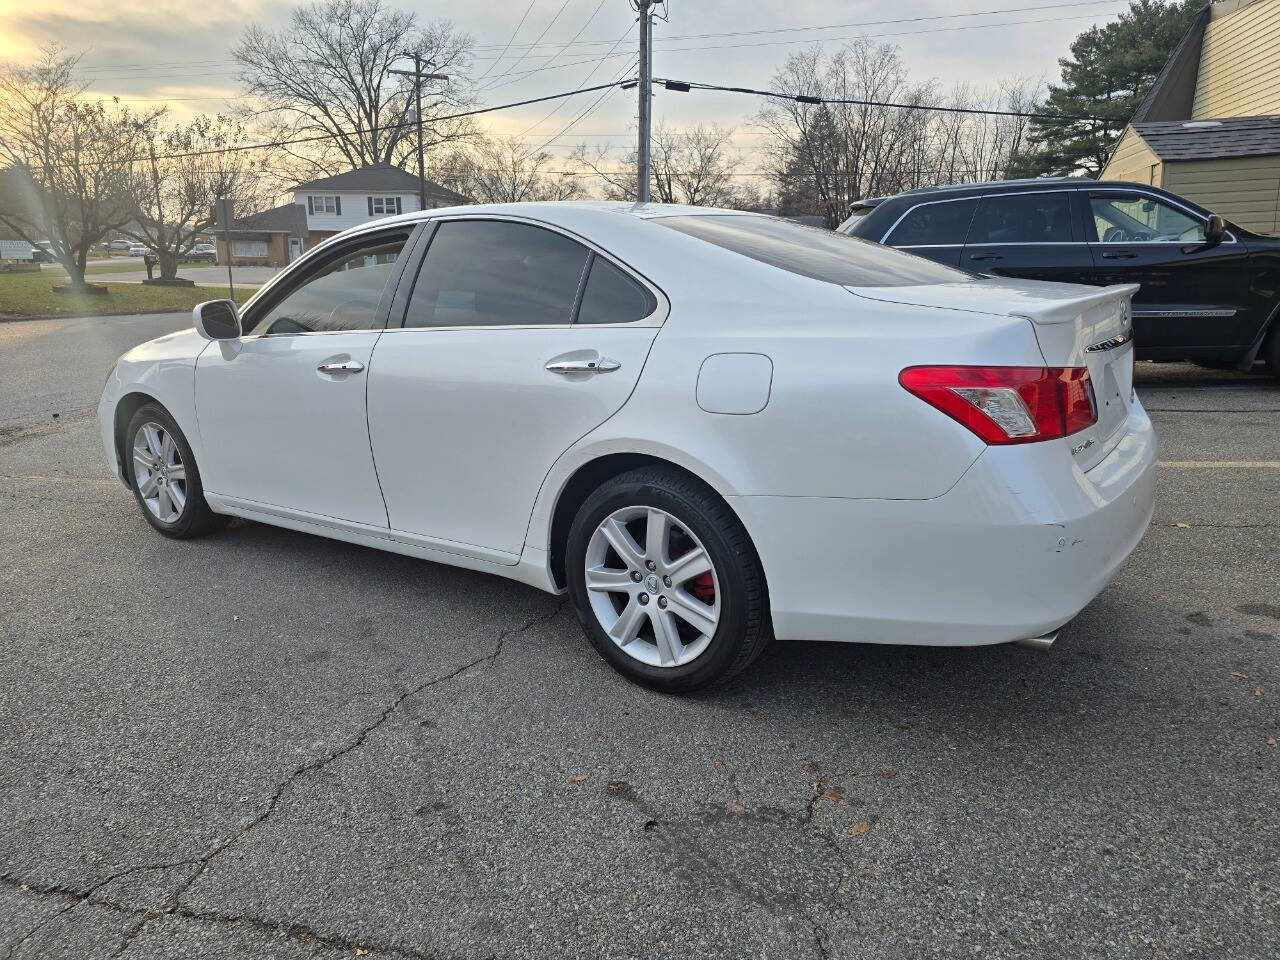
(1220, 464)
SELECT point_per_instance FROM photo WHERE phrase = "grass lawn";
(31, 295)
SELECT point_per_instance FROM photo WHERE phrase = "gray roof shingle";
(381, 177)
(1212, 139)
(290, 218)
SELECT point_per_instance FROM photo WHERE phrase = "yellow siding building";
(1209, 129)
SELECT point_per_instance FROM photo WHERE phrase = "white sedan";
(709, 427)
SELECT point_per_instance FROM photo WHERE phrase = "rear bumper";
(1019, 546)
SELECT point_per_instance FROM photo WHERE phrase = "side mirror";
(217, 319)
(1216, 229)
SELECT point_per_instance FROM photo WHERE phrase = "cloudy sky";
(179, 52)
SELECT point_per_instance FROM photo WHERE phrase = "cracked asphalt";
(264, 744)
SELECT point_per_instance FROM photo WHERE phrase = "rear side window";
(485, 273)
(1023, 218)
(810, 252)
(934, 223)
(613, 297)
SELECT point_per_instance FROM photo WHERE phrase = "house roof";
(1174, 88)
(1212, 139)
(381, 177)
(290, 218)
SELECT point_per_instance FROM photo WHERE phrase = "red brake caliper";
(704, 587)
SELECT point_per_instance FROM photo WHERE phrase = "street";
(266, 744)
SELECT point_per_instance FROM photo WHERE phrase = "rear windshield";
(814, 253)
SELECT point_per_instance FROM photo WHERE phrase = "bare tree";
(826, 155)
(183, 172)
(69, 161)
(694, 166)
(505, 170)
(328, 75)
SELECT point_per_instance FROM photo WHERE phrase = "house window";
(324, 204)
(383, 206)
(248, 248)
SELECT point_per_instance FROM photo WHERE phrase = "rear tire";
(164, 477)
(677, 598)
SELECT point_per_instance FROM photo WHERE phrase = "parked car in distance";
(138, 250)
(202, 253)
(42, 252)
(1207, 291)
(120, 246)
(708, 426)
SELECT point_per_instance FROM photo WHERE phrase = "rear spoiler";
(1068, 308)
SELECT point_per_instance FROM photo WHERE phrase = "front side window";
(810, 252)
(611, 296)
(487, 273)
(1023, 218)
(934, 224)
(344, 293)
(1137, 218)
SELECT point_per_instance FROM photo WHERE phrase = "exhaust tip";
(1038, 643)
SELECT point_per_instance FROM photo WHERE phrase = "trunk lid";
(1075, 326)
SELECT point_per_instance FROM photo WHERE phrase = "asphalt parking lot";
(264, 744)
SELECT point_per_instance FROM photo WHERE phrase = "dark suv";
(1210, 289)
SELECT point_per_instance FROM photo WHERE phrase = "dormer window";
(383, 206)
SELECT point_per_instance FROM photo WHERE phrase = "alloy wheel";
(653, 586)
(159, 473)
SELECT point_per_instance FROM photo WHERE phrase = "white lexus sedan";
(709, 427)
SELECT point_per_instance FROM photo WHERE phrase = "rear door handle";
(986, 256)
(1118, 255)
(565, 367)
(348, 366)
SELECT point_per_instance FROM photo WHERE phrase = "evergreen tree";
(1110, 70)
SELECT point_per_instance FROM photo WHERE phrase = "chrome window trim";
(884, 240)
(662, 305)
(1177, 314)
(1230, 238)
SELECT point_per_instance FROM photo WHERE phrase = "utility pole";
(646, 98)
(418, 77)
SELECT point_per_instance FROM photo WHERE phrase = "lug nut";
(643, 599)
(666, 581)
(662, 602)
(651, 565)
(635, 575)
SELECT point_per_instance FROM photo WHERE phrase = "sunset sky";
(179, 53)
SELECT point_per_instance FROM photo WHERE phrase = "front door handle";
(564, 367)
(348, 366)
(1118, 255)
(986, 256)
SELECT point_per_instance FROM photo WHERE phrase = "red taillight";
(1008, 404)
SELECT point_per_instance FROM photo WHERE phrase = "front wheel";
(164, 476)
(666, 582)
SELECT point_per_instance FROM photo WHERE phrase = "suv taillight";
(1009, 404)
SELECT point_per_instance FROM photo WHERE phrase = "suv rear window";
(810, 252)
(940, 222)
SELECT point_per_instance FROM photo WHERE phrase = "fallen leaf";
(361, 952)
(758, 715)
(1257, 692)
(1184, 526)
(889, 774)
(1271, 741)
(1242, 676)
(580, 778)
(835, 796)
(903, 727)
(719, 764)
(235, 616)
(859, 828)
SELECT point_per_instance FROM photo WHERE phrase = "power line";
(585, 79)
(685, 85)
(520, 58)
(509, 41)
(317, 138)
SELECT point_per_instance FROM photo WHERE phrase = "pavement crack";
(535, 622)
